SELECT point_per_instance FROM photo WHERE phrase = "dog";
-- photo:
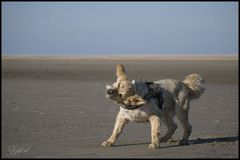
(175, 96)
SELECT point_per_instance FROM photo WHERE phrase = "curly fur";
(176, 101)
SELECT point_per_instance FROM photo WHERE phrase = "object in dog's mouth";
(135, 100)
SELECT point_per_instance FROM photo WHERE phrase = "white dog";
(152, 102)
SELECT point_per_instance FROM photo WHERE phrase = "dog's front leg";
(118, 127)
(155, 131)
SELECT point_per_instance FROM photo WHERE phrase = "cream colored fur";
(124, 89)
(176, 96)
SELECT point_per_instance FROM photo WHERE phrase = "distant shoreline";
(132, 57)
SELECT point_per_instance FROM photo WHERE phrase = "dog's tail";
(195, 85)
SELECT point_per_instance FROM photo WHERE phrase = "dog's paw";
(183, 142)
(154, 146)
(173, 140)
(107, 144)
(163, 140)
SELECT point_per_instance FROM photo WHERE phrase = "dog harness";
(154, 91)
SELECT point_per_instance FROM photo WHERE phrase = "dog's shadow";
(192, 142)
(214, 140)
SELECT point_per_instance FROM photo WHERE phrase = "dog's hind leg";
(182, 114)
(167, 119)
(118, 127)
(155, 131)
(171, 126)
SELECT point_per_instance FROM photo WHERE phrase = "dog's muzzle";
(110, 91)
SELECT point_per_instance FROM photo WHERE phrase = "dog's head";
(122, 89)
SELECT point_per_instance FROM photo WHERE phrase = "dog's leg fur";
(171, 126)
(182, 114)
(169, 122)
(155, 132)
(118, 127)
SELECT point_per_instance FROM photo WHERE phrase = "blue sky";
(119, 28)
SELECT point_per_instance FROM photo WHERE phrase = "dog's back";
(190, 88)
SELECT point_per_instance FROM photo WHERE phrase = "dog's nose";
(108, 86)
(110, 91)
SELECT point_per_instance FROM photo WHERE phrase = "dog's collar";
(131, 107)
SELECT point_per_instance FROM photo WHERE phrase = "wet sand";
(56, 107)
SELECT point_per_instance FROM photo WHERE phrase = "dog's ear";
(120, 72)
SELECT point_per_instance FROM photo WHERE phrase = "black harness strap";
(154, 94)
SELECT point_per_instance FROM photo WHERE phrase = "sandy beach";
(56, 107)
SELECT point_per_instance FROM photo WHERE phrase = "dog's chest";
(136, 115)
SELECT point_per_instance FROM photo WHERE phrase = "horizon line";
(120, 57)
